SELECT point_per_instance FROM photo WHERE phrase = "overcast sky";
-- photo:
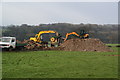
(35, 13)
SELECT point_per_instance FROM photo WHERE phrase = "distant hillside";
(107, 33)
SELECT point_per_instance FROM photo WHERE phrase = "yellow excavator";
(82, 35)
(39, 37)
(49, 37)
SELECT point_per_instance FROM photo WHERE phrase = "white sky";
(60, 0)
(37, 12)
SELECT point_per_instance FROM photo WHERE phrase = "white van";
(8, 42)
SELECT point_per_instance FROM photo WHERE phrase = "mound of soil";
(85, 45)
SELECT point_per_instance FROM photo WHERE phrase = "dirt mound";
(85, 45)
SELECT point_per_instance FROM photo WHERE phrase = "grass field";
(112, 44)
(59, 64)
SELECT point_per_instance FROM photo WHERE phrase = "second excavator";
(82, 35)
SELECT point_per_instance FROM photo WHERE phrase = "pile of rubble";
(85, 45)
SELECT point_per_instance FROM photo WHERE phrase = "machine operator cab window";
(41, 38)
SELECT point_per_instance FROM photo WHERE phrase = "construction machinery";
(50, 38)
(82, 35)
(44, 40)
(47, 38)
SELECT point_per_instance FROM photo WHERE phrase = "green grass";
(59, 64)
(112, 44)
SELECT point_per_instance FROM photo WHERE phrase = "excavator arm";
(70, 34)
(82, 36)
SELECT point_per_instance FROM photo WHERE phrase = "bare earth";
(85, 45)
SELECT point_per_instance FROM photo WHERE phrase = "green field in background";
(112, 44)
(59, 64)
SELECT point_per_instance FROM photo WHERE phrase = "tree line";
(107, 33)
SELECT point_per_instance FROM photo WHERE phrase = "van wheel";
(11, 48)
